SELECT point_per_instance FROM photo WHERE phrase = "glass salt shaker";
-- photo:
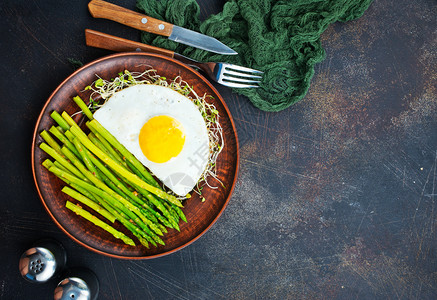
(78, 284)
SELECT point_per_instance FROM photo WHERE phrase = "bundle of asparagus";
(109, 180)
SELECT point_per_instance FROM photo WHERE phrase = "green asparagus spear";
(85, 157)
(69, 135)
(69, 120)
(58, 119)
(83, 107)
(50, 151)
(60, 136)
(50, 141)
(88, 202)
(85, 214)
(179, 212)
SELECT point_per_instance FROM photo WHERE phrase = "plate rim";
(35, 135)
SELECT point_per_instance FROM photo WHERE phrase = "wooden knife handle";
(105, 10)
(109, 42)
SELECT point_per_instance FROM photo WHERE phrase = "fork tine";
(241, 75)
(237, 85)
(238, 82)
(240, 68)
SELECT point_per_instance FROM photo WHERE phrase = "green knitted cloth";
(281, 38)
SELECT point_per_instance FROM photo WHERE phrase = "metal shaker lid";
(79, 284)
(72, 288)
(38, 264)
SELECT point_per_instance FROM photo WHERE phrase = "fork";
(224, 73)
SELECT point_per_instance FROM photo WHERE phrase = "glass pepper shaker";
(42, 261)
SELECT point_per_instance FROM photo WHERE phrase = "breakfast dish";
(192, 161)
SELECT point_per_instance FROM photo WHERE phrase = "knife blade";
(106, 10)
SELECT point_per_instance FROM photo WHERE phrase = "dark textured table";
(335, 197)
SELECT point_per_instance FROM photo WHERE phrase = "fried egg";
(163, 129)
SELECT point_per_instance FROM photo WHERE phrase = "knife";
(105, 10)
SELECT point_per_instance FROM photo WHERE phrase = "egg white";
(125, 113)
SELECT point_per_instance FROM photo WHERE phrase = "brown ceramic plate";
(200, 215)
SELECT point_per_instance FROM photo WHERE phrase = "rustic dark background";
(335, 197)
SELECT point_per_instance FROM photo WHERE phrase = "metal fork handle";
(110, 42)
(208, 68)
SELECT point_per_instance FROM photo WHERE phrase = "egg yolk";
(161, 138)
